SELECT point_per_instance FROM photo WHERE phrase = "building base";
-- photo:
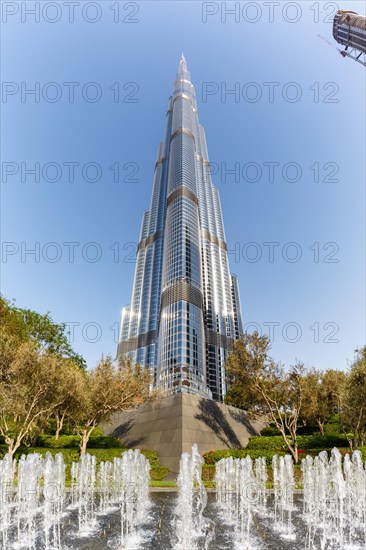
(171, 425)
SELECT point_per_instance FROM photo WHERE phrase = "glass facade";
(185, 310)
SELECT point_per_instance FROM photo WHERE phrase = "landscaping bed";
(104, 448)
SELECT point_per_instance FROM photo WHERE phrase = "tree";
(265, 389)
(249, 356)
(24, 325)
(11, 322)
(281, 395)
(109, 389)
(68, 393)
(26, 394)
(353, 414)
(322, 396)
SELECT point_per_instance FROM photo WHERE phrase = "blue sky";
(315, 305)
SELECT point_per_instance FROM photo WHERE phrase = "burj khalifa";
(185, 311)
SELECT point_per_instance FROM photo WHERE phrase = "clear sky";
(294, 131)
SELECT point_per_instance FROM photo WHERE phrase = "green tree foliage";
(249, 357)
(26, 325)
(27, 393)
(268, 391)
(322, 400)
(294, 397)
(41, 379)
(108, 389)
(353, 413)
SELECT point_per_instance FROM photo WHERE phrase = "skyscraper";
(185, 310)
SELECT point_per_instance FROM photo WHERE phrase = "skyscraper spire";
(185, 310)
(183, 68)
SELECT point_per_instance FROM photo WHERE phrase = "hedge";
(208, 472)
(212, 457)
(158, 473)
(274, 444)
(317, 441)
(71, 454)
(270, 431)
(104, 442)
(73, 441)
(152, 456)
(70, 450)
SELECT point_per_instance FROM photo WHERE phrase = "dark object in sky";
(349, 29)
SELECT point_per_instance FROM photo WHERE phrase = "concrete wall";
(171, 425)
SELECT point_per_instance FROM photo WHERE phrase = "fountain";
(335, 500)
(28, 499)
(110, 506)
(190, 524)
(283, 483)
(34, 501)
(7, 473)
(134, 471)
(54, 498)
(106, 486)
(241, 490)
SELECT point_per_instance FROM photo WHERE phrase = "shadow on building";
(213, 416)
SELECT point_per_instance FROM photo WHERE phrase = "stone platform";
(171, 425)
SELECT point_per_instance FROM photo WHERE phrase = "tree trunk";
(292, 448)
(85, 439)
(11, 451)
(12, 447)
(295, 447)
(83, 442)
(321, 426)
(59, 424)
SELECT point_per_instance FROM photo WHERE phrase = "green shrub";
(70, 455)
(209, 484)
(212, 457)
(309, 429)
(315, 452)
(151, 455)
(63, 442)
(267, 454)
(51, 427)
(363, 452)
(270, 431)
(97, 432)
(208, 472)
(164, 483)
(4, 449)
(72, 441)
(106, 454)
(275, 444)
(331, 429)
(103, 442)
(158, 473)
(316, 441)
